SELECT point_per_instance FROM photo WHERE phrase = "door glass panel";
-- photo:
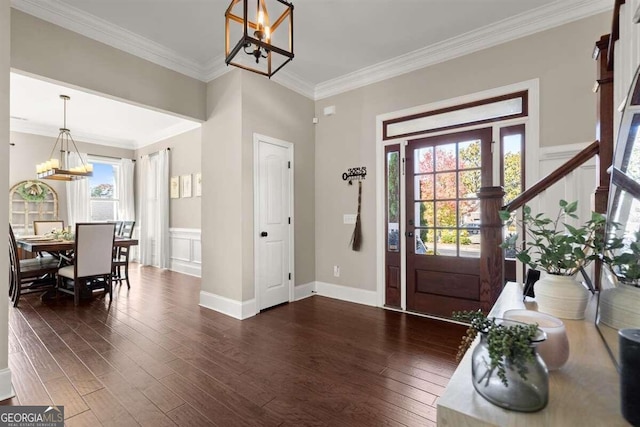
(393, 201)
(512, 166)
(469, 155)
(469, 183)
(446, 185)
(424, 187)
(446, 214)
(424, 214)
(446, 157)
(424, 241)
(470, 242)
(423, 160)
(447, 243)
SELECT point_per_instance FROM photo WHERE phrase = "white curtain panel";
(77, 193)
(154, 209)
(126, 204)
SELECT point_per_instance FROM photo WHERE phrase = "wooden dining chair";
(29, 275)
(40, 228)
(93, 260)
(118, 225)
(121, 259)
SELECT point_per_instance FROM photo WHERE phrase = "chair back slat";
(94, 249)
(127, 229)
(40, 228)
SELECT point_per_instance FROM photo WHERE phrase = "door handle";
(409, 234)
(264, 234)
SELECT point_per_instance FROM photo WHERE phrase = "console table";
(585, 392)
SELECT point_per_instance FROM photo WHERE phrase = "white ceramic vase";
(561, 296)
(620, 307)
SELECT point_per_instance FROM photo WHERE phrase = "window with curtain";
(103, 190)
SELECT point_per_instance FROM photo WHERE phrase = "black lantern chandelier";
(57, 168)
(265, 45)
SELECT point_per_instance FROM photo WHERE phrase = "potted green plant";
(620, 305)
(561, 250)
(506, 368)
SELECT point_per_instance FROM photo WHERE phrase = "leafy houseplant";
(555, 250)
(561, 250)
(512, 343)
(505, 367)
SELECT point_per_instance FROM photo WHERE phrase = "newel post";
(491, 254)
(604, 133)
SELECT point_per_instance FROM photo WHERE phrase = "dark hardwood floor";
(154, 357)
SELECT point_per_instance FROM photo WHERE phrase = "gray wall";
(5, 26)
(32, 149)
(273, 110)
(185, 159)
(221, 188)
(50, 51)
(560, 58)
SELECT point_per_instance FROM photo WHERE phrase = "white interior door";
(273, 248)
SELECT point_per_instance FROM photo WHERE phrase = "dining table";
(59, 246)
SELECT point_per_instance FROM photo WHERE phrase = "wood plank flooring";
(154, 357)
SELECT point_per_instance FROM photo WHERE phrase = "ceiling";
(339, 45)
(334, 39)
(37, 108)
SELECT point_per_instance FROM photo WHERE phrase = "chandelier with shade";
(57, 168)
(264, 33)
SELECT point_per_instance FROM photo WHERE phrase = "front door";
(274, 186)
(443, 175)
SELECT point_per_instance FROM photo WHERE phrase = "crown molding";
(76, 20)
(540, 19)
(53, 132)
(170, 132)
(546, 17)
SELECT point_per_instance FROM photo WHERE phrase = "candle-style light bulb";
(260, 19)
(267, 34)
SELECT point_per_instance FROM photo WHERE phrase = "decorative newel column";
(604, 133)
(491, 254)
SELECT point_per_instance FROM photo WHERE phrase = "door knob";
(264, 234)
(409, 234)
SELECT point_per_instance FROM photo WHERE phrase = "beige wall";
(30, 149)
(46, 50)
(5, 380)
(185, 159)
(560, 58)
(273, 110)
(221, 188)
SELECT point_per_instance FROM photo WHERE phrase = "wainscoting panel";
(186, 255)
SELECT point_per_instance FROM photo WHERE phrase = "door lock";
(409, 234)
(264, 234)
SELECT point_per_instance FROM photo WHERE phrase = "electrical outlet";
(336, 271)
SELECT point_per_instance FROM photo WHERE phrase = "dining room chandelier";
(265, 44)
(58, 168)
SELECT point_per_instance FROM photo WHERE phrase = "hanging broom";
(356, 238)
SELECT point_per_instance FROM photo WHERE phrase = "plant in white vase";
(561, 250)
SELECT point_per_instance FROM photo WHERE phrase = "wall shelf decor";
(30, 201)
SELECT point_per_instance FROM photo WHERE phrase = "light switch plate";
(349, 218)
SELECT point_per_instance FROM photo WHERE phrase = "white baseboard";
(236, 309)
(190, 268)
(304, 291)
(6, 390)
(347, 293)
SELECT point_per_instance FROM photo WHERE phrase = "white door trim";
(256, 212)
(531, 153)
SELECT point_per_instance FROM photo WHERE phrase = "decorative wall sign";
(185, 184)
(198, 184)
(355, 174)
(175, 187)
